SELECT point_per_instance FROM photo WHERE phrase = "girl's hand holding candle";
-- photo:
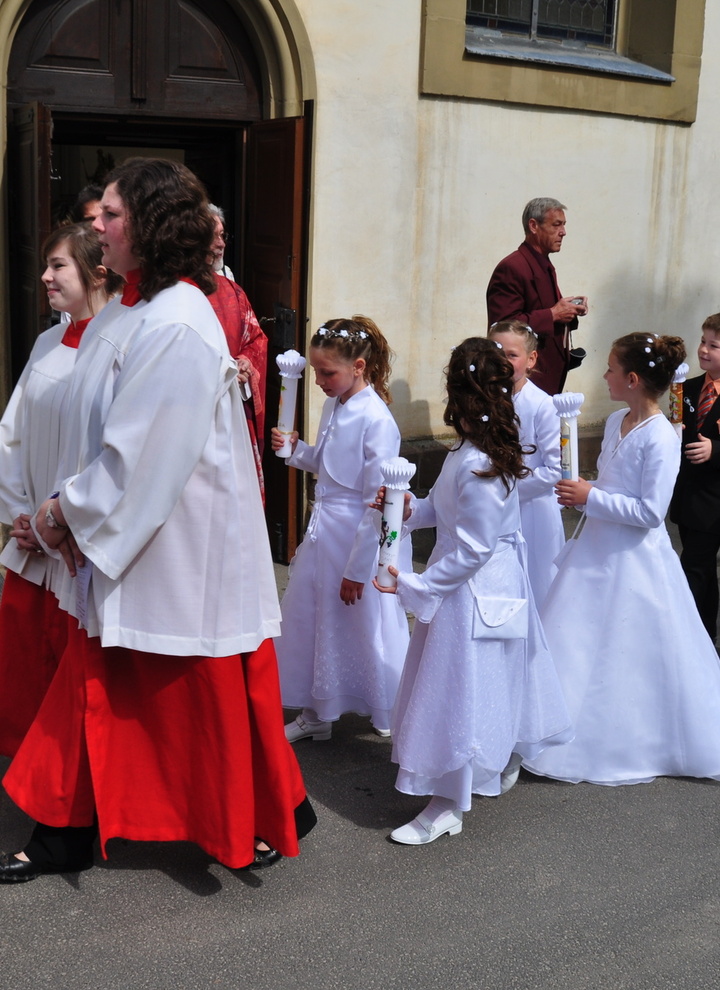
(567, 406)
(397, 472)
(291, 365)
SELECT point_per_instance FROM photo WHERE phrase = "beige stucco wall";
(416, 198)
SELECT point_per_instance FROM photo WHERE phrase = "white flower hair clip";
(484, 418)
(471, 367)
(323, 330)
(498, 344)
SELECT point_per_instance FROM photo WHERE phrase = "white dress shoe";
(301, 728)
(509, 776)
(384, 733)
(426, 828)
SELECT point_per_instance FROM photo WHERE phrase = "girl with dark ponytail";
(638, 668)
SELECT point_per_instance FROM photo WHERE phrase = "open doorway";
(175, 79)
(84, 150)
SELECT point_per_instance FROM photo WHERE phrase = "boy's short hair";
(712, 323)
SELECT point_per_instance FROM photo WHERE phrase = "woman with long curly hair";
(479, 690)
(163, 721)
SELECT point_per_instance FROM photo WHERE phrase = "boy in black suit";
(695, 506)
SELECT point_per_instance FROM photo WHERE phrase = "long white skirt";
(332, 657)
(465, 705)
(640, 674)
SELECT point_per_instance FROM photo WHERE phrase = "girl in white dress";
(32, 628)
(640, 674)
(479, 689)
(542, 525)
(343, 644)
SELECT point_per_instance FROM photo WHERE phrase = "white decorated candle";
(676, 397)
(397, 472)
(291, 365)
(567, 406)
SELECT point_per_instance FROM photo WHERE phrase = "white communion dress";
(335, 658)
(466, 704)
(540, 515)
(640, 674)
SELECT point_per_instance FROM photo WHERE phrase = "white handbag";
(500, 618)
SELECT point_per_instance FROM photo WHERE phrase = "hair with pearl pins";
(517, 329)
(480, 407)
(654, 359)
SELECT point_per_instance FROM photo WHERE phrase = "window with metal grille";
(588, 21)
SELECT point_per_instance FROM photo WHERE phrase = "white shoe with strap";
(428, 827)
(303, 728)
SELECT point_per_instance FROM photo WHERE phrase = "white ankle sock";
(439, 805)
(311, 716)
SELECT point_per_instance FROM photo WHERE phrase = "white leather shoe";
(384, 733)
(426, 829)
(509, 776)
(303, 729)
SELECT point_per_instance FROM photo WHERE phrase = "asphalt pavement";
(549, 887)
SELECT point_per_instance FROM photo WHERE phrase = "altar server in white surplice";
(163, 720)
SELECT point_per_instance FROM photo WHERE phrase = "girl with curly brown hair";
(479, 690)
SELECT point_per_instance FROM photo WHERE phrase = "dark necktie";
(707, 400)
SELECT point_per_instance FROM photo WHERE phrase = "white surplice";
(159, 487)
(30, 444)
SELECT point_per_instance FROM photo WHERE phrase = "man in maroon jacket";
(524, 287)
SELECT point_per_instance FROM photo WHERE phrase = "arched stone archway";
(213, 81)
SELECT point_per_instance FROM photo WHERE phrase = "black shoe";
(263, 858)
(14, 870)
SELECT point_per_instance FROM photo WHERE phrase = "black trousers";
(700, 564)
(63, 848)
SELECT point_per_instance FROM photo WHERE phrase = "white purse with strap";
(500, 618)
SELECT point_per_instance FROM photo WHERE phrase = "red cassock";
(33, 633)
(123, 736)
(245, 339)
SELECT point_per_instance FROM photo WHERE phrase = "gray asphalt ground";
(550, 887)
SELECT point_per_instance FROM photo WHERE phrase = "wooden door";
(30, 163)
(273, 279)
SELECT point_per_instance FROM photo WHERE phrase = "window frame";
(662, 38)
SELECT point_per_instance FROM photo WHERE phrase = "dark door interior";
(171, 78)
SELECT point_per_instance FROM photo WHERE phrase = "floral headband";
(525, 326)
(328, 334)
